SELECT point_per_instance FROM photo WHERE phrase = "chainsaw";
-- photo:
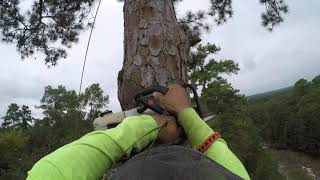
(146, 104)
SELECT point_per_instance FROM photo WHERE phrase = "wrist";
(159, 121)
(195, 128)
(182, 108)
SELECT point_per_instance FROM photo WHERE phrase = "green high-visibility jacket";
(89, 157)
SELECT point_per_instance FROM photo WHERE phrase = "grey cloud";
(248, 64)
(281, 57)
(268, 60)
(23, 82)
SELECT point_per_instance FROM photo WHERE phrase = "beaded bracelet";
(207, 143)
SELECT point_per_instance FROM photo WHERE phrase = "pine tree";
(156, 42)
(17, 117)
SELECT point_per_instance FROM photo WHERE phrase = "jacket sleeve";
(198, 131)
(90, 156)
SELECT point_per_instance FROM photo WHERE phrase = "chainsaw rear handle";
(196, 98)
(144, 102)
(148, 91)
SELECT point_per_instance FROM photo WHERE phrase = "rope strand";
(88, 45)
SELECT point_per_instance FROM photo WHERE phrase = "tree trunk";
(155, 48)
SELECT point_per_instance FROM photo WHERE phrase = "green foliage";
(267, 167)
(58, 102)
(12, 116)
(60, 99)
(232, 118)
(65, 119)
(195, 23)
(242, 137)
(18, 117)
(94, 100)
(291, 120)
(204, 70)
(267, 95)
(239, 132)
(316, 81)
(207, 74)
(14, 139)
(218, 97)
(12, 144)
(301, 86)
(275, 9)
(50, 27)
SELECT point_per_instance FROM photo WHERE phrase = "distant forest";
(290, 117)
(282, 119)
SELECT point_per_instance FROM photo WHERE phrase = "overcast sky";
(267, 60)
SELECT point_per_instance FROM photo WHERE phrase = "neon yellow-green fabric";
(89, 157)
(197, 131)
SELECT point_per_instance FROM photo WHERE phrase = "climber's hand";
(170, 132)
(175, 100)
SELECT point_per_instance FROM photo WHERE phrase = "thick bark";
(155, 48)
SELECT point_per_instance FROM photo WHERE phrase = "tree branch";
(40, 14)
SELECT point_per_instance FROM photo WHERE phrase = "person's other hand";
(175, 100)
(170, 132)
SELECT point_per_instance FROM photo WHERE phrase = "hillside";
(288, 122)
(289, 118)
(265, 95)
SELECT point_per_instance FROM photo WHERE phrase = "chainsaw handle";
(148, 91)
(144, 102)
(196, 98)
